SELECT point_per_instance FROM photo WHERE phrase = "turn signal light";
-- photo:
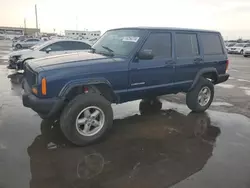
(34, 90)
(44, 86)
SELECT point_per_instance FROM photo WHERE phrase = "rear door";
(188, 59)
(31, 42)
(153, 76)
(214, 51)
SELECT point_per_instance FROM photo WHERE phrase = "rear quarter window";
(211, 43)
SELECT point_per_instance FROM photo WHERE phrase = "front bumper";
(222, 78)
(50, 107)
(246, 53)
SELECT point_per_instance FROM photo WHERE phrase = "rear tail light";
(227, 64)
(44, 86)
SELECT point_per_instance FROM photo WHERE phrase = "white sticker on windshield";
(130, 39)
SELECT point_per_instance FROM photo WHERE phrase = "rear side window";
(186, 45)
(211, 44)
(159, 44)
(80, 46)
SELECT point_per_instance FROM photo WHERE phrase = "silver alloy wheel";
(204, 96)
(90, 121)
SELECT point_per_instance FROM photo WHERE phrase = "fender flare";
(88, 81)
(200, 73)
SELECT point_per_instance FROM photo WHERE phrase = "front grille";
(233, 48)
(30, 75)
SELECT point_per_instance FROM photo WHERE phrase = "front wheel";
(200, 98)
(245, 55)
(86, 119)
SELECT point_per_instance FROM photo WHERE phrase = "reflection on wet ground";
(171, 148)
(136, 147)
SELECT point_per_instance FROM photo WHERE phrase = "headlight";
(15, 58)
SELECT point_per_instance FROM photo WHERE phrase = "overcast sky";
(231, 17)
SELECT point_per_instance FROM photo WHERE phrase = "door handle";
(169, 62)
(198, 60)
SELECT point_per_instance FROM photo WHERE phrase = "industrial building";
(82, 34)
(11, 32)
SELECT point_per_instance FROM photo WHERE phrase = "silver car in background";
(238, 48)
(48, 48)
(27, 43)
(246, 52)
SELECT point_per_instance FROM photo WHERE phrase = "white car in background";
(246, 52)
(26, 43)
(238, 48)
(49, 48)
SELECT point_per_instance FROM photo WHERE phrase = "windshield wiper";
(107, 48)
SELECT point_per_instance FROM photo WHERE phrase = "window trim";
(160, 32)
(198, 44)
(221, 44)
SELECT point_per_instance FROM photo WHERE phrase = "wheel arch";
(209, 73)
(98, 85)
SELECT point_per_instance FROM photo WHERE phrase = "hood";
(70, 60)
(20, 52)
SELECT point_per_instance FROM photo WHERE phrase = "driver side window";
(159, 44)
(54, 47)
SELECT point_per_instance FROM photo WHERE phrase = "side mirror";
(145, 55)
(48, 50)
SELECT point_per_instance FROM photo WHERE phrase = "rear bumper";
(48, 107)
(222, 78)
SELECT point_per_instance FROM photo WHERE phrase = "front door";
(155, 76)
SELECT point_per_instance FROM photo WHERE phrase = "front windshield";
(239, 45)
(118, 42)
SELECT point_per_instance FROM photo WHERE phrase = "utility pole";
(25, 26)
(36, 17)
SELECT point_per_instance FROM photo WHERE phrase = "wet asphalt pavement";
(173, 148)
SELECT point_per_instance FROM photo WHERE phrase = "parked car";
(51, 47)
(125, 64)
(26, 43)
(238, 48)
(246, 52)
(229, 45)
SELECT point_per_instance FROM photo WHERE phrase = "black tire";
(18, 46)
(245, 55)
(192, 96)
(149, 106)
(71, 111)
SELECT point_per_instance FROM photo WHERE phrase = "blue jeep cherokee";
(123, 65)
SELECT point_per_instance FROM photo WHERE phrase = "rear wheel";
(245, 55)
(200, 98)
(18, 46)
(86, 119)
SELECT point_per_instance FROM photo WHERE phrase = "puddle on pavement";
(164, 148)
